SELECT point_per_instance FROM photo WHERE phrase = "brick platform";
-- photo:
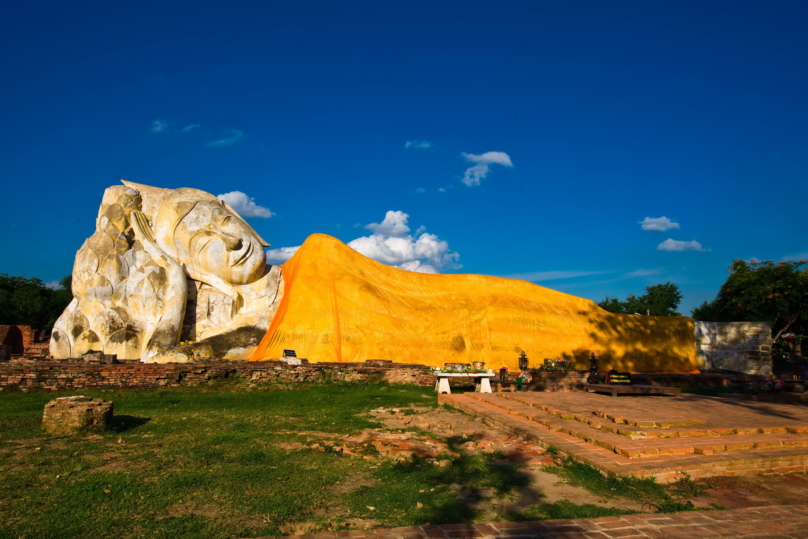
(651, 436)
(773, 522)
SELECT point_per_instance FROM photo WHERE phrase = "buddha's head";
(207, 236)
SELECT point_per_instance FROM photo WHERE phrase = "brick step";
(494, 416)
(638, 447)
(610, 442)
(614, 424)
(635, 429)
(664, 468)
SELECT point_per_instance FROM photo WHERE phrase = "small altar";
(482, 382)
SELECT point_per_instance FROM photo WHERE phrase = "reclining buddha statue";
(164, 267)
(175, 274)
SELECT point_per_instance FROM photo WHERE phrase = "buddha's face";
(212, 240)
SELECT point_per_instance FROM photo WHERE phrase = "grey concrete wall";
(734, 346)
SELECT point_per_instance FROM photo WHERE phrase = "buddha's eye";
(221, 219)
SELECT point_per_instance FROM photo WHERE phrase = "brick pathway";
(788, 521)
(656, 437)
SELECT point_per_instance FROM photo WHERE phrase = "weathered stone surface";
(734, 346)
(99, 357)
(165, 267)
(71, 415)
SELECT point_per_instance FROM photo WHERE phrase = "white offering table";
(482, 381)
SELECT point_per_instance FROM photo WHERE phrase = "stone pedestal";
(70, 415)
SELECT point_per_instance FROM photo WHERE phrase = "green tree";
(662, 299)
(658, 300)
(613, 305)
(767, 291)
(29, 302)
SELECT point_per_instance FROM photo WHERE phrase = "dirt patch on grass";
(179, 509)
(121, 465)
(463, 432)
(297, 528)
(362, 523)
(292, 446)
(346, 487)
(542, 488)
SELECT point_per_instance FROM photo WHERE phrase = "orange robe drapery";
(339, 305)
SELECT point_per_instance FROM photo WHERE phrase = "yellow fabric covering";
(339, 305)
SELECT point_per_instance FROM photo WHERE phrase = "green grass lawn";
(224, 463)
(228, 462)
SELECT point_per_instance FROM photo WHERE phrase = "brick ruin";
(70, 415)
(22, 341)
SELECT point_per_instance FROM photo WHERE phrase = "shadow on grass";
(566, 510)
(467, 485)
(123, 423)
(661, 498)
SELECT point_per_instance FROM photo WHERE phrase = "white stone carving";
(164, 267)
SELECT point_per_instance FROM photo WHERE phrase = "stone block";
(100, 357)
(71, 415)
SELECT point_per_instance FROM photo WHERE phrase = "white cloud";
(677, 245)
(279, 256)
(394, 224)
(419, 145)
(54, 285)
(420, 190)
(231, 137)
(392, 244)
(475, 174)
(645, 272)
(190, 127)
(245, 205)
(159, 126)
(538, 276)
(658, 224)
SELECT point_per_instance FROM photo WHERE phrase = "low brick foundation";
(68, 375)
(35, 374)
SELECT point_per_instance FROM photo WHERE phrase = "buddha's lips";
(242, 258)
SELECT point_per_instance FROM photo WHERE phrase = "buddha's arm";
(165, 333)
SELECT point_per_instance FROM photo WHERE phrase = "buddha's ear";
(234, 212)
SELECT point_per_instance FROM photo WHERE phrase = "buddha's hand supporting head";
(209, 238)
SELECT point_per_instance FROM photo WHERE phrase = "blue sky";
(582, 120)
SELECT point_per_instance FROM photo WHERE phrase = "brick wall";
(19, 340)
(67, 375)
